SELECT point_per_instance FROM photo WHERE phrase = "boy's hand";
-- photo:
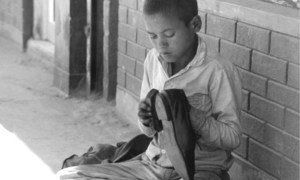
(144, 112)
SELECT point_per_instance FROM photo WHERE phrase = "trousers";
(138, 168)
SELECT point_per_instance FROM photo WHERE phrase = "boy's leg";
(211, 175)
(139, 168)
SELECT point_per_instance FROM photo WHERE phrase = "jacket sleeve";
(146, 87)
(222, 128)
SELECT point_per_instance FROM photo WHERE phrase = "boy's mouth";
(165, 53)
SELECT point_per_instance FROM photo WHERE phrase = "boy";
(212, 87)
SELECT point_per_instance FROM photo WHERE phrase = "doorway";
(96, 47)
(44, 20)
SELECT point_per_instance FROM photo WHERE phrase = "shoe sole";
(167, 137)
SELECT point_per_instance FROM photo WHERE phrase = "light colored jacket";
(212, 86)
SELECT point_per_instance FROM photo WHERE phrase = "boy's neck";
(176, 67)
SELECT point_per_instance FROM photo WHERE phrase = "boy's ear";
(196, 23)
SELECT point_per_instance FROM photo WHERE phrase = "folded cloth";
(106, 153)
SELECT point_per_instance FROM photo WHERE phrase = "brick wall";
(268, 62)
(133, 44)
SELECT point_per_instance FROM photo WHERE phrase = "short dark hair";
(184, 9)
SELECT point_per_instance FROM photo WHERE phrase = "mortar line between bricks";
(249, 99)
(219, 45)
(127, 15)
(261, 168)
(235, 31)
(247, 147)
(251, 164)
(135, 67)
(269, 43)
(125, 80)
(235, 154)
(279, 154)
(267, 99)
(250, 60)
(267, 88)
(284, 115)
(287, 73)
(272, 102)
(264, 123)
(136, 35)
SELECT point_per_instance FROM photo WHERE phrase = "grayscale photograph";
(149, 89)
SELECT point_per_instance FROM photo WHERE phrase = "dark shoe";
(156, 124)
(177, 136)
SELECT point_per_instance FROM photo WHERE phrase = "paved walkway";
(39, 127)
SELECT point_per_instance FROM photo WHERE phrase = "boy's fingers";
(144, 106)
(144, 114)
(146, 122)
(148, 102)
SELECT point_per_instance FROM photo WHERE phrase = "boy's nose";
(162, 43)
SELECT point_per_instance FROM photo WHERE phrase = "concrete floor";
(39, 127)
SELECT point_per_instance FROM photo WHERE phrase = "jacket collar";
(199, 58)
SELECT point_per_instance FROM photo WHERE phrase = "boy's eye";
(169, 34)
(152, 36)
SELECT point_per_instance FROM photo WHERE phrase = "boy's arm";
(222, 128)
(144, 91)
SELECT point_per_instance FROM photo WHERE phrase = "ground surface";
(40, 127)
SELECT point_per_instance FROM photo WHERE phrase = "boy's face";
(171, 37)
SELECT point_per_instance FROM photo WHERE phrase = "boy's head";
(185, 10)
(172, 27)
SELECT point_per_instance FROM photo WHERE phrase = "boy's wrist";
(145, 123)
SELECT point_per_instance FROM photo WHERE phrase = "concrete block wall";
(268, 61)
(11, 20)
(133, 44)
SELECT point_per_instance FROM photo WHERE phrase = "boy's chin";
(168, 59)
